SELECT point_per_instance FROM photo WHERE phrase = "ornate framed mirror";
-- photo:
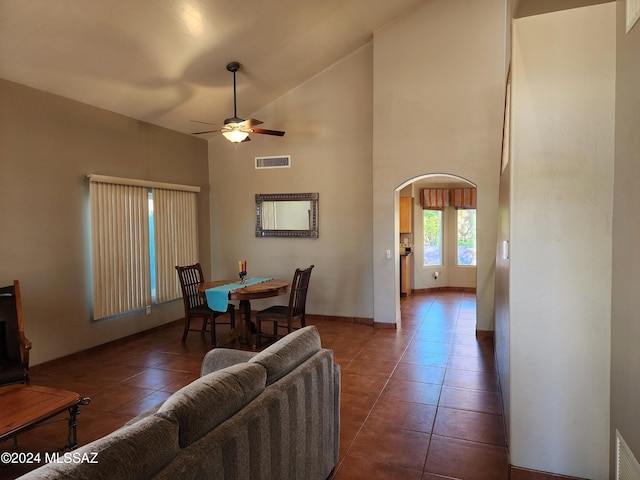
(287, 215)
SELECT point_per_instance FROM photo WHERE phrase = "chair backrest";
(190, 277)
(11, 326)
(299, 287)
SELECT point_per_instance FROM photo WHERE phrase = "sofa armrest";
(220, 358)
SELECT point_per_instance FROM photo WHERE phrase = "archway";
(453, 266)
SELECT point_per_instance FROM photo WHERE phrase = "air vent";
(627, 467)
(281, 161)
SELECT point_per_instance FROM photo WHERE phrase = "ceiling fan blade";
(207, 131)
(206, 123)
(250, 122)
(267, 132)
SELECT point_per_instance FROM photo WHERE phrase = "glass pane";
(466, 237)
(432, 221)
(152, 248)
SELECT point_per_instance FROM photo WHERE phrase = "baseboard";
(445, 289)
(97, 348)
(391, 326)
(482, 334)
(518, 473)
(335, 318)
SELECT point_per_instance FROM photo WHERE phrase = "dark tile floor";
(418, 402)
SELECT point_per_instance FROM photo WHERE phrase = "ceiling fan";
(236, 129)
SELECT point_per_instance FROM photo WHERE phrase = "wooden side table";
(26, 406)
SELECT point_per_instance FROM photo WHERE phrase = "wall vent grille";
(627, 467)
(281, 161)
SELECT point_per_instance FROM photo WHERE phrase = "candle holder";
(242, 275)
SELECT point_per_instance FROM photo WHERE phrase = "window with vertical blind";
(139, 232)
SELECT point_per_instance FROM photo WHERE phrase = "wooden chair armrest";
(25, 345)
(25, 342)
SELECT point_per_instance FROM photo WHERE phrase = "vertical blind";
(120, 248)
(121, 241)
(176, 238)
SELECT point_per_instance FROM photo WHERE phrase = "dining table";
(244, 293)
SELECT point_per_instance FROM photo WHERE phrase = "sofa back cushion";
(137, 451)
(210, 400)
(287, 353)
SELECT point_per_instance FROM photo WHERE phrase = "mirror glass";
(287, 215)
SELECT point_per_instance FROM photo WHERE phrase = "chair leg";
(213, 331)
(187, 322)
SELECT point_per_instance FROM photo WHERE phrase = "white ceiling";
(164, 61)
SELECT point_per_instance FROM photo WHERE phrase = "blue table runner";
(218, 297)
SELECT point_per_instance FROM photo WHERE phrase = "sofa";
(268, 415)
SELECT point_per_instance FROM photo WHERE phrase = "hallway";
(423, 401)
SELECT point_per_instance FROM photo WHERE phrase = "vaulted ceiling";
(164, 61)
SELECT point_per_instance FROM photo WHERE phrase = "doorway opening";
(438, 251)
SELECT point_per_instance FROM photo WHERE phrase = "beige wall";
(328, 124)
(48, 145)
(625, 328)
(439, 100)
(560, 230)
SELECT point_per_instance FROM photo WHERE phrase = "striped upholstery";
(289, 431)
(268, 416)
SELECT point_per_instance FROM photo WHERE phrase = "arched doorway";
(443, 237)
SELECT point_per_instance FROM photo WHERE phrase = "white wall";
(560, 265)
(328, 124)
(625, 354)
(438, 108)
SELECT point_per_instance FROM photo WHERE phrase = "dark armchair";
(14, 346)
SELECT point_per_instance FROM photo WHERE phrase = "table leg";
(242, 330)
(245, 322)
(72, 439)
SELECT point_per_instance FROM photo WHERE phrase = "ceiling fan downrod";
(233, 67)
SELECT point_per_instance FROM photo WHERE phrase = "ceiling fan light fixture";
(235, 135)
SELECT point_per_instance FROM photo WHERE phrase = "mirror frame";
(287, 197)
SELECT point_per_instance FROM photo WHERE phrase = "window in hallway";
(432, 226)
(466, 241)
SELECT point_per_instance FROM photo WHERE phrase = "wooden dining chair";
(195, 305)
(284, 316)
(14, 346)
